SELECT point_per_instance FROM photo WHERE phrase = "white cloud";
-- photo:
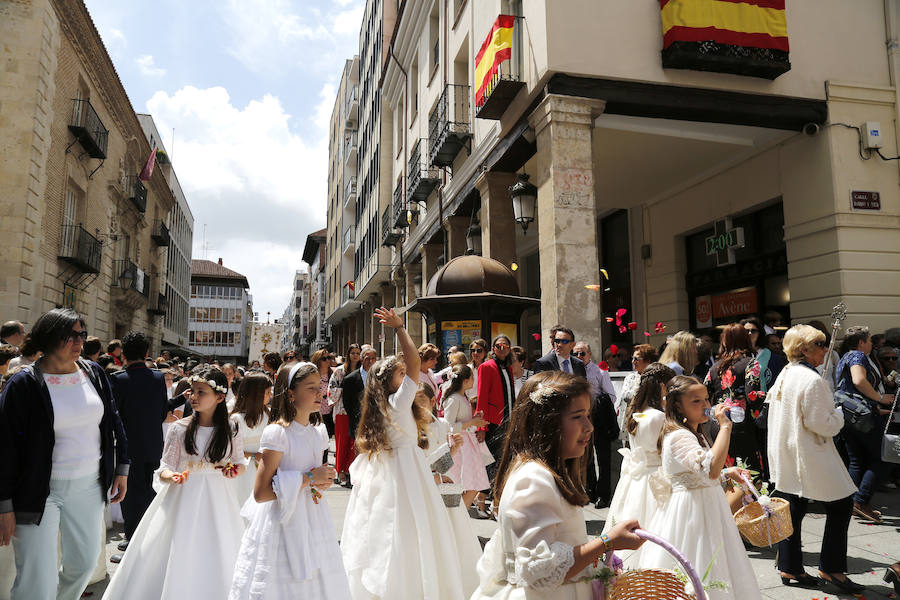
(349, 21)
(258, 187)
(148, 67)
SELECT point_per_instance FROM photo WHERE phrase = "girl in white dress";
(541, 548)
(696, 519)
(290, 548)
(398, 540)
(186, 543)
(468, 467)
(642, 486)
(251, 412)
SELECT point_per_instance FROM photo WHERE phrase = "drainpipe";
(892, 46)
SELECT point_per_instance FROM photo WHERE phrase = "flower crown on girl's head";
(541, 393)
(387, 364)
(210, 382)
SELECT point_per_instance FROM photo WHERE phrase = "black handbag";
(859, 412)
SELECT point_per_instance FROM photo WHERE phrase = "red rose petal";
(614, 349)
(604, 366)
(632, 326)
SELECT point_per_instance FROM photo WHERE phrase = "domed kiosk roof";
(473, 274)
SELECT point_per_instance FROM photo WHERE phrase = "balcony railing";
(449, 126)
(80, 249)
(400, 217)
(350, 148)
(505, 84)
(347, 240)
(160, 233)
(421, 180)
(389, 236)
(129, 276)
(347, 294)
(136, 192)
(88, 129)
(352, 103)
(350, 190)
(158, 305)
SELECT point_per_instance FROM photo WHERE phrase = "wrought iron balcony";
(88, 129)
(80, 249)
(350, 191)
(160, 233)
(421, 180)
(348, 241)
(136, 192)
(389, 236)
(400, 217)
(297, 321)
(506, 82)
(449, 126)
(350, 148)
(158, 305)
(130, 277)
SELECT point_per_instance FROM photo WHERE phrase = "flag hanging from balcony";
(743, 37)
(147, 171)
(496, 49)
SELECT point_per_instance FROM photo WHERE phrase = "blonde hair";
(799, 338)
(680, 349)
(428, 351)
(372, 434)
(458, 358)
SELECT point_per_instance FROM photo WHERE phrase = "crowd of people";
(219, 469)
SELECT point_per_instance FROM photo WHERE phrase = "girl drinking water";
(193, 526)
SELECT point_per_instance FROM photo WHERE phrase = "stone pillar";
(413, 319)
(387, 300)
(567, 215)
(374, 325)
(498, 229)
(366, 325)
(456, 235)
(430, 254)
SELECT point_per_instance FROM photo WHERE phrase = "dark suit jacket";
(352, 389)
(142, 401)
(548, 363)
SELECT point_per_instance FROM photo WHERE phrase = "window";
(434, 37)
(414, 92)
(399, 118)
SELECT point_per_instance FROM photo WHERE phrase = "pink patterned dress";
(468, 468)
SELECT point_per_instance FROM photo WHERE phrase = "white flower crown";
(541, 393)
(210, 382)
(388, 363)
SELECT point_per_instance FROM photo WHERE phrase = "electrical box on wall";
(871, 135)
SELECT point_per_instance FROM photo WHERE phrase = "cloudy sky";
(248, 86)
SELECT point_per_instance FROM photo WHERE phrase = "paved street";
(872, 547)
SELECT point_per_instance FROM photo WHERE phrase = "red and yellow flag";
(495, 49)
(748, 23)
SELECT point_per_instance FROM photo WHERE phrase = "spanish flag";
(747, 37)
(496, 49)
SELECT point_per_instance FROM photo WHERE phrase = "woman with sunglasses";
(63, 448)
(478, 353)
(325, 361)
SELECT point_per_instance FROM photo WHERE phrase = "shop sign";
(703, 311)
(456, 333)
(724, 242)
(68, 296)
(507, 329)
(860, 200)
(734, 304)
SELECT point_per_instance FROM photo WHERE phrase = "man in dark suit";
(140, 394)
(353, 386)
(560, 357)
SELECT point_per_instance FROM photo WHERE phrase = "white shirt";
(560, 359)
(77, 412)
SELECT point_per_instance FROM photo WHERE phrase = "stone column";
(374, 325)
(387, 300)
(567, 215)
(413, 319)
(456, 235)
(498, 229)
(430, 254)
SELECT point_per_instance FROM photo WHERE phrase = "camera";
(811, 129)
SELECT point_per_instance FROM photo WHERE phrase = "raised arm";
(411, 359)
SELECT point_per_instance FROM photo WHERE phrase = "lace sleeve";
(237, 446)
(533, 515)
(687, 453)
(173, 448)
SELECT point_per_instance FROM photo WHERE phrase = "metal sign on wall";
(724, 242)
(860, 200)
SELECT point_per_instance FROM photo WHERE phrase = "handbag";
(890, 443)
(858, 410)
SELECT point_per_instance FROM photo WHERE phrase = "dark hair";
(648, 353)
(279, 390)
(11, 328)
(104, 360)
(29, 348)
(508, 361)
(251, 398)
(282, 405)
(225, 430)
(852, 338)
(53, 328)
(183, 384)
(272, 360)
(519, 353)
(91, 346)
(563, 329)
(458, 374)
(111, 368)
(675, 389)
(135, 345)
(7, 353)
(649, 393)
(112, 345)
(534, 434)
(288, 356)
(420, 413)
(756, 323)
(736, 345)
(348, 366)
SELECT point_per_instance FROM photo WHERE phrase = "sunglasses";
(752, 329)
(476, 350)
(637, 359)
(579, 354)
(820, 344)
(562, 341)
(888, 358)
(77, 334)
(501, 346)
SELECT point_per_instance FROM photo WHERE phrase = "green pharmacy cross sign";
(724, 242)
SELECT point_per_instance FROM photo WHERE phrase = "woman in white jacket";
(804, 463)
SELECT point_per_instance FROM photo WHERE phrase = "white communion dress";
(642, 486)
(533, 548)
(186, 543)
(251, 437)
(398, 542)
(290, 549)
(466, 540)
(698, 522)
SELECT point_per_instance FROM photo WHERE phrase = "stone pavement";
(871, 548)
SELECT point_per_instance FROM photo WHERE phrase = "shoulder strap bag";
(859, 413)
(890, 443)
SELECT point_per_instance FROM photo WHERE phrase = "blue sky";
(248, 86)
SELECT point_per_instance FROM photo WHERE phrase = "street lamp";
(524, 200)
(126, 277)
(473, 238)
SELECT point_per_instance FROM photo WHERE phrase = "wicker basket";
(657, 584)
(764, 529)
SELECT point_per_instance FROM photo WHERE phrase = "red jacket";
(491, 400)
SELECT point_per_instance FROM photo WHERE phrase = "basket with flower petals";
(765, 521)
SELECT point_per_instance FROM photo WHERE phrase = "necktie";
(566, 366)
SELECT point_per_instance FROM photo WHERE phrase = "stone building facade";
(75, 220)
